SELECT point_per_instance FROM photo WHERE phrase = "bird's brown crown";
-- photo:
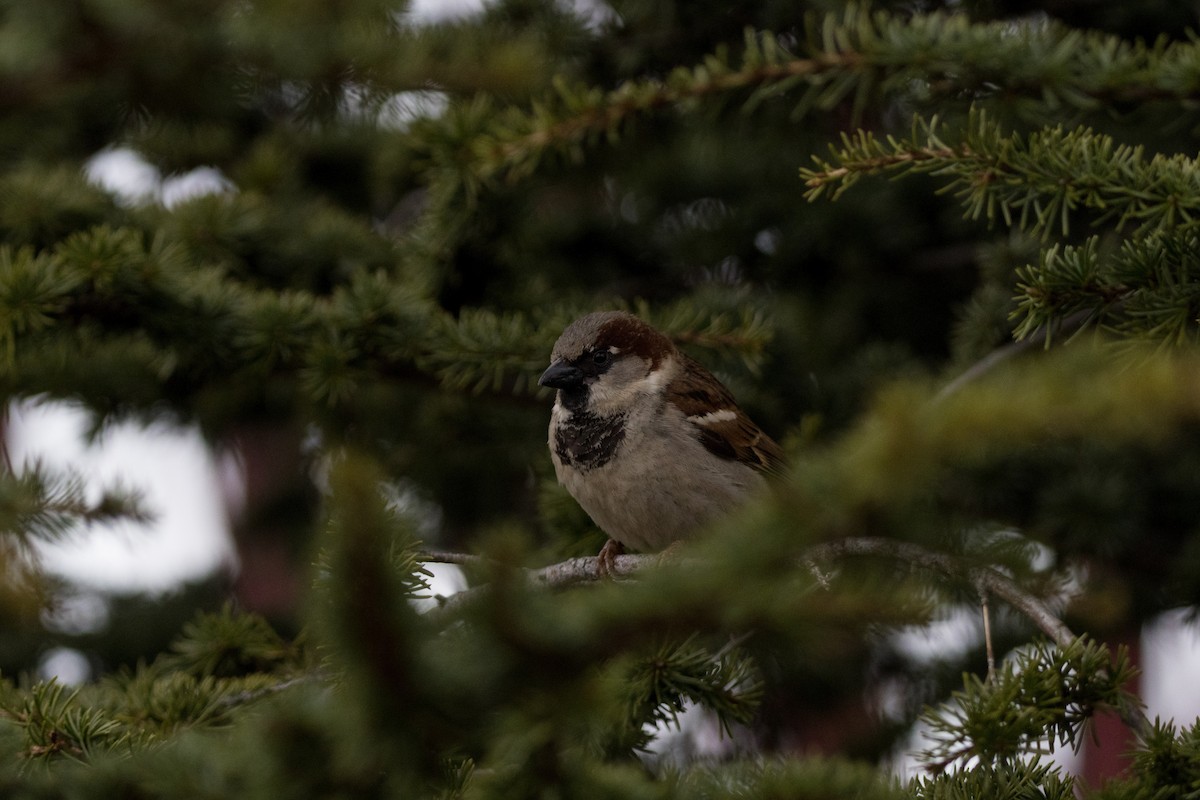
(622, 332)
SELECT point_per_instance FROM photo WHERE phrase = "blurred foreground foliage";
(511, 689)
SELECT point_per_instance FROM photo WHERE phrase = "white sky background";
(183, 480)
(435, 10)
(189, 538)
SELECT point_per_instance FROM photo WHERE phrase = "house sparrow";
(647, 440)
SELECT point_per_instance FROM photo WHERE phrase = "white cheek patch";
(654, 382)
(610, 394)
(713, 417)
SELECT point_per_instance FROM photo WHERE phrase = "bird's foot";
(606, 559)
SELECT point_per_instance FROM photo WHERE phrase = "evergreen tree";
(984, 375)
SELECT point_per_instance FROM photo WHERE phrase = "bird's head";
(606, 361)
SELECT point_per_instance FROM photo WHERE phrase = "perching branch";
(555, 576)
(583, 570)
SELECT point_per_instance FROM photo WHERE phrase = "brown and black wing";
(724, 428)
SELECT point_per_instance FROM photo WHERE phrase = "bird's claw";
(606, 559)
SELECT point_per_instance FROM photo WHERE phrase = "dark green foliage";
(227, 645)
(1020, 781)
(1169, 761)
(218, 664)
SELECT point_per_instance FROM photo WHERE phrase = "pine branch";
(40, 504)
(1041, 698)
(1035, 182)
(1014, 778)
(1147, 289)
(592, 113)
(76, 303)
(854, 54)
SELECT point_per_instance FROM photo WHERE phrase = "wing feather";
(724, 429)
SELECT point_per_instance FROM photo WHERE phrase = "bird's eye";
(600, 358)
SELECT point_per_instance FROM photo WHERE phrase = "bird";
(650, 443)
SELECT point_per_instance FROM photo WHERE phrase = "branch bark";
(583, 570)
(555, 576)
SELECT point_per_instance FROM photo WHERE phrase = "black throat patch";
(587, 441)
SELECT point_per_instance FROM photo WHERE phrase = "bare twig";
(444, 557)
(250, 695)
(987, 581)
(987, 635)
(5, 435)
(733, 643)
(1071, 325)
(985, 578)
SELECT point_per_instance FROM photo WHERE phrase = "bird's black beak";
(561, 375)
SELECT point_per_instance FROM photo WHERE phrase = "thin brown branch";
(986, 578)
(815, 179)
(626, 102)
(986, 581)
(987, 635)
(5, 434)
